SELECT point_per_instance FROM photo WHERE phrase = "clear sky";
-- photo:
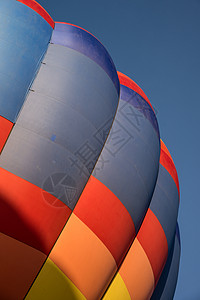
(157, 44)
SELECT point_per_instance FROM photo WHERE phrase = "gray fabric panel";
(85, 85)
(165, 203)
(57, 121)
(144, 145)
(139, 127)
(168, 185)
(166, 286)
(35, 158)
(129, 162)
(56, 131)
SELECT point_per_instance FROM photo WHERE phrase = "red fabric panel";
(167, 162)
(39, 9)
(164, 148)
(5, 129)
(27, 214)
(20, 265)
(153, 240)
(107, 217)
(125, 80)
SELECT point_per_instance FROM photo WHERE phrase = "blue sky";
(157, 44)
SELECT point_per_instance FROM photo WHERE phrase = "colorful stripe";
(106, 216)
(167, 162)
(164, 148)
(126, 81)
(165, 200)
(144, 261)
(137, 274)
(39, 9)
(53, 284)
(165, 203)
(29, 214)
(135, 277)
(5, 129)
(155, 237)
(83, 258)
(153, 240)
(76, 38)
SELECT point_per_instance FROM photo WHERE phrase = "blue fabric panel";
(24, 38)
(82, 41)
(142, 106)
(129, 161)
(166, 286)
(55, 133)
(165, 203)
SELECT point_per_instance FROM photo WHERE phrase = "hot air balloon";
(87, 188)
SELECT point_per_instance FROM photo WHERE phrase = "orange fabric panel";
(28, 214)
(19, 265)
(83, 258)
(107, 217)
(153, 240)
(5, 129)
(164, 148)
(137, 274)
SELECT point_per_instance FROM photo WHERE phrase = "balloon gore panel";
(24, 39)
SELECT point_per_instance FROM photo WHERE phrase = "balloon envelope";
(87, 188)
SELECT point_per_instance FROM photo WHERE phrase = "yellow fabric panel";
(137, 273)
(85, 260)
(52, 284)
(117, 290)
